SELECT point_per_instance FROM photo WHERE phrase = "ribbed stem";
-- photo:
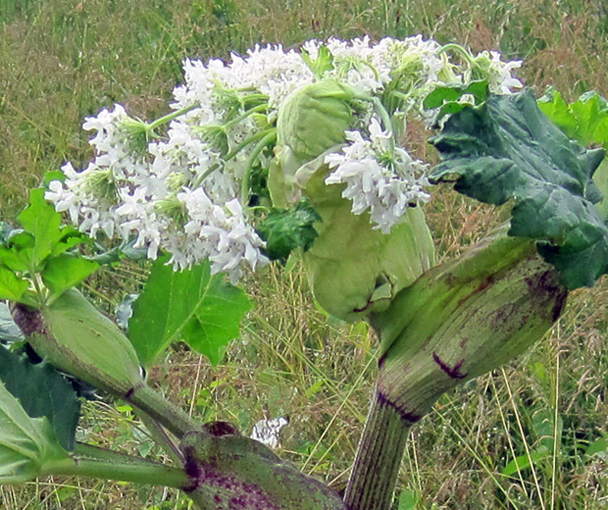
(372, 482)
(164, 412)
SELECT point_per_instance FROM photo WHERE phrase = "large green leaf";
(26, 444)
(42, 391)
(507, 149)
(202, 310)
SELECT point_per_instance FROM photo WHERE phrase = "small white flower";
(220, 234)
(370, 185)
(499, 74)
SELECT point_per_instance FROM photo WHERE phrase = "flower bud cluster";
(182, 184)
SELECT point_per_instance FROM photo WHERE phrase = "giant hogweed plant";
(280, 155)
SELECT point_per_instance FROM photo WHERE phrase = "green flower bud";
(312, 120)
(464, 318)
(353, 268)
(137, 134)
(76, 338)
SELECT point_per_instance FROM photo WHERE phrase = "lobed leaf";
(284, 230)
(507, 149)
(585, 120)
(65, 271)
(42, 221)
(447, 99)
(191, 306)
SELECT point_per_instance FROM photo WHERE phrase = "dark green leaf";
(284, 230)
(191, 306)
(42, 391)
(65, 271)
(27, 445)
(507, 149)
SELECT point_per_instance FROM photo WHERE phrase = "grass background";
(61, 60)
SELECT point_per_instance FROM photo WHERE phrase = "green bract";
(312, 120)
(353, 268)
(75, 337)
(464, 318)
(507, 149)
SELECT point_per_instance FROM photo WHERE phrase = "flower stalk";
(458, 321)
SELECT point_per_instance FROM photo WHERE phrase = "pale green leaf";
(42, 221)
(65, 271)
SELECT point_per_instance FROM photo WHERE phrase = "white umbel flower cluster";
(182, 184)
(378, 181)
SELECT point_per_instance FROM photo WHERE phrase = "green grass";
(61, 60)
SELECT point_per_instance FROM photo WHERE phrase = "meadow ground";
(532, 435)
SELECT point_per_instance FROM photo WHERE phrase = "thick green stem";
(372, 482)
(268, 138)
(164, 412)
(456, 322)
(118, 468)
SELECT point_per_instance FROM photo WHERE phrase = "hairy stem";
(372, 481)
